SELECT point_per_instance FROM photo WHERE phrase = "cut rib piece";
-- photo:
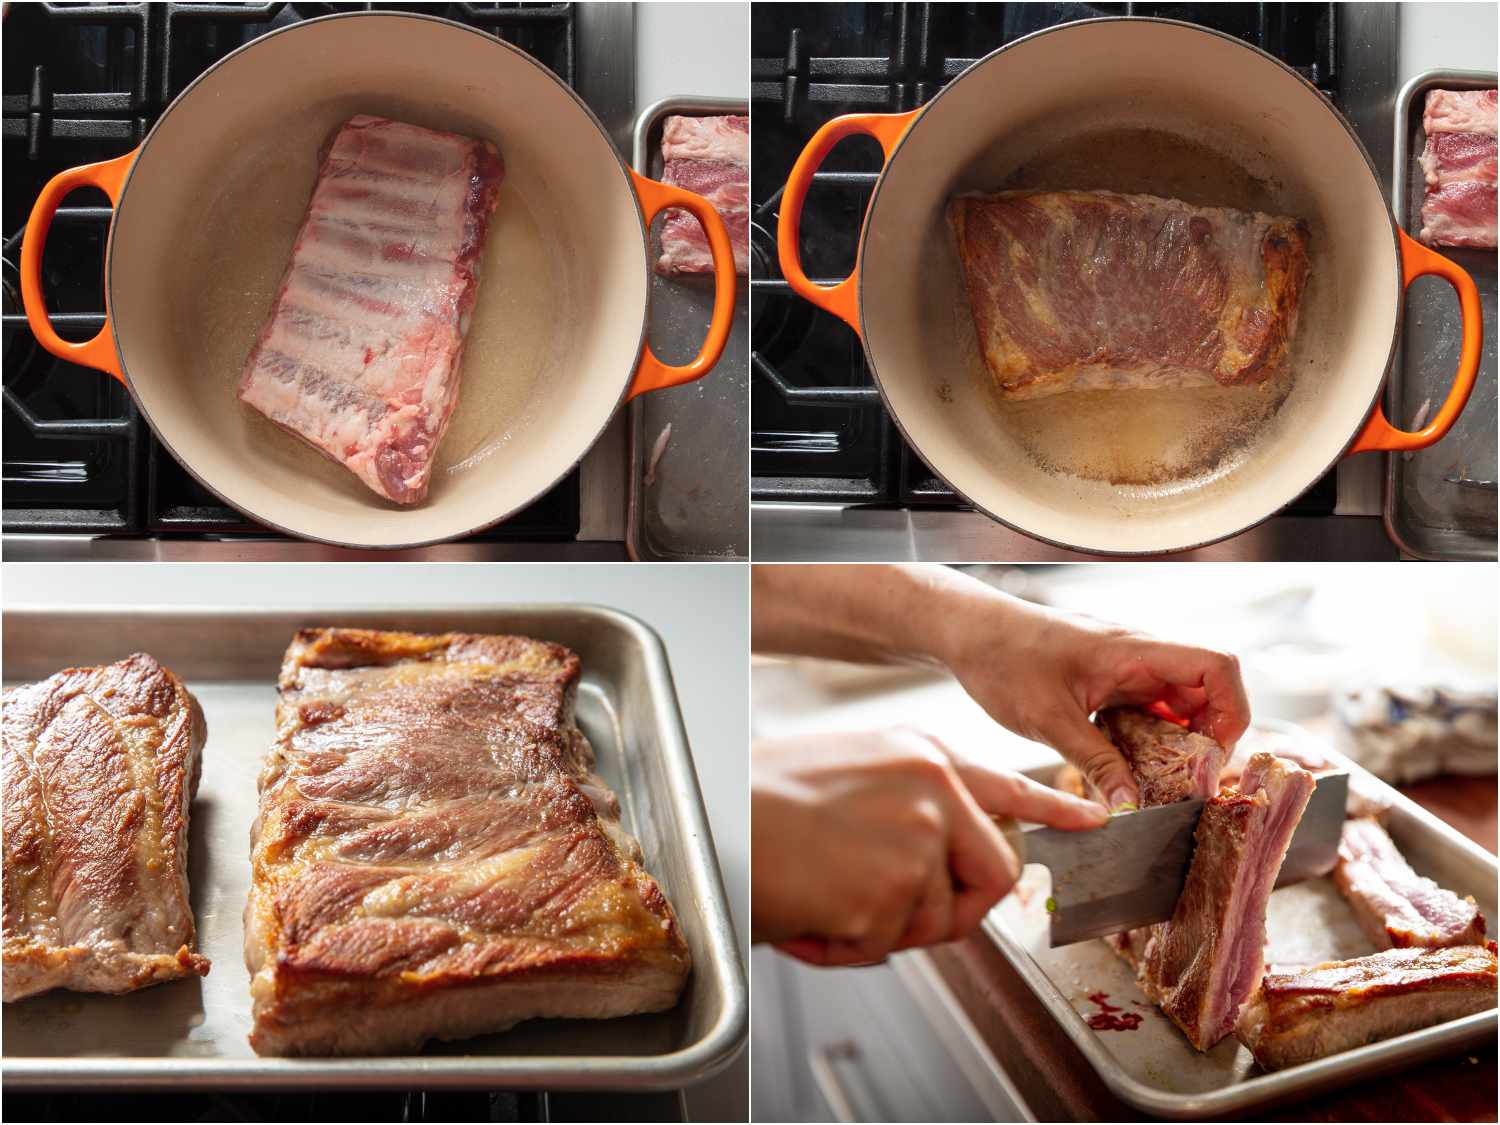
(100, 765)
(1170, 763)
(1076, 290)
(360, 355)
(435, 853)
(1396, 906)
(1202, 964)
(1311, 1013)
(710, 156)
(1459, 167)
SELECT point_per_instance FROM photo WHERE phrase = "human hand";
(1041, 673)
(864, 844)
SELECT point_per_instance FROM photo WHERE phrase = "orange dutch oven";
(207, 209)
(1105, 77)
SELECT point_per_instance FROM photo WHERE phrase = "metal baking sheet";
(192, 1033)
(689, 503)
(1427, 514)
(1154, 1068)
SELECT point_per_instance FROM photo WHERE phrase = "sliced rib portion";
(710, 156)
(100, 765)
(1092, 290)
(360, 355)
(435, 857)
(1202, 964)
(1396, 906)
(1459, 166)
(1311, 1013)
(1170, 763)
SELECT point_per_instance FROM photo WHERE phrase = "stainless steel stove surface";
(345, 1105)
(831, 477)
(83, 474)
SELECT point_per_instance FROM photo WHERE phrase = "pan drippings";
(1148, 441)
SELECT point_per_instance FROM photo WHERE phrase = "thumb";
(1086, 746)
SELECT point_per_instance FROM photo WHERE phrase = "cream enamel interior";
(207, 223)
(1216, 92)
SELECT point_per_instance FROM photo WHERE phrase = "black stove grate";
(819, 432)
(85, 82)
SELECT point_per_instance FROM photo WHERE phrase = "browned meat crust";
(100, 765)
(435, 854)
(1311, 1013)
(1080, 290)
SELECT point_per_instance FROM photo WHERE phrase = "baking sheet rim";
(640, 160)
(1401, 204)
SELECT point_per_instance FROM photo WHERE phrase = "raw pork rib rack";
(1459, 165)
(711, 156)
(360, 356)
(434, 855)
(100, 767)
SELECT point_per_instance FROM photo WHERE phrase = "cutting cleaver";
(1131, 871)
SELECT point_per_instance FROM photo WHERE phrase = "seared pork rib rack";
(435, 856)
(1092, 290)
(101, 765)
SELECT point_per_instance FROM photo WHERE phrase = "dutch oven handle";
(842, 300)
(1379, 434)
(651, 374)
(109, 177)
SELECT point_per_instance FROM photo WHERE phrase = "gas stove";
(84, 477)
(831, 476)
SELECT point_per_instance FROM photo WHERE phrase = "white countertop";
(700, 49)
(1447, 35)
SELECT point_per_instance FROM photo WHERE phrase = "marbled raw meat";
(360, 355)
(1459, 167)
(710, 156)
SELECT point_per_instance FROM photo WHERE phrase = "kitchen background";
(831, 477)
(1394, 668)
